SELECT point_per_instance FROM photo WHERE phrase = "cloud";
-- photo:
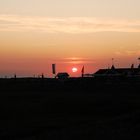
(128, 53)
(74, 25)
(74, 60)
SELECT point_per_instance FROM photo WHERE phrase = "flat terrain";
(76, 108)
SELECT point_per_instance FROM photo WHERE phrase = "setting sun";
(74, 69)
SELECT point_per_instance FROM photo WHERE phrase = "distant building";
(114, 72)
(62, 75)
(88, 75)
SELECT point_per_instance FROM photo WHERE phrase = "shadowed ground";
(80, 108)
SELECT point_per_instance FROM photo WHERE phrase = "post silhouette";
(42, 76)
(15, 76)
(82, 72)
(54, 70)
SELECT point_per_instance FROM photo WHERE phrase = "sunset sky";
(70, 33)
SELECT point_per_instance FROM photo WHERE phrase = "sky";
(70, 33)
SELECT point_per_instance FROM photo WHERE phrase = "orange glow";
(32, 53)
(67, 34)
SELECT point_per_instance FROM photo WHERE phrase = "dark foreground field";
(78, 109)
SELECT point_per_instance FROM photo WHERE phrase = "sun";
(74, 69)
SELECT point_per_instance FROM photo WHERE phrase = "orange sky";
(70, 34)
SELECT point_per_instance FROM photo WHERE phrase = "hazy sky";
(71, 33)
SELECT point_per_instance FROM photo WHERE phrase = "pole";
(82, 71)
(54, 69)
